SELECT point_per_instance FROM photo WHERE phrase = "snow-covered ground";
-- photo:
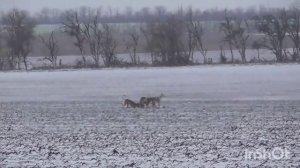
(70, 60)
(256, 82)
(211, 116)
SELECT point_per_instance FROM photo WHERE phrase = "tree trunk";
(82, 55)
(25, 63)
(84, 60)
(231, 51)
(152, 57)
(258, 55)
(134, 56)
(243, 54)
(19, 63)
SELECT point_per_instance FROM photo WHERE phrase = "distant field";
(209, 26)
(70, 60)
(41, 29)
(47, 28)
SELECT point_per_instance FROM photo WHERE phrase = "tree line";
(171, 37)
(128, 15)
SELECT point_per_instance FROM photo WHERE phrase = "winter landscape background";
(229, 71)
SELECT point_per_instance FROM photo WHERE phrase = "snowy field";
(211, 116)
(70, 60)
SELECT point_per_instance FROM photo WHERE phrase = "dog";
(127, 103)
(154, 101)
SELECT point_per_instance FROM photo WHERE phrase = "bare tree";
(19, 27)
(109, 46)
(198, 33)
(275, 29)
(145, 14)
(51, 44)
(235, 35)
(72, 26)
(293, 30)
(240, 38)
(132, 45)
(147, 33)
(161, 13)
(227, 28)
(167, 41)
(191, 40)
(93, 34)
(176, 51)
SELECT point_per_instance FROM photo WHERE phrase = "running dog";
(154, 101)
(127, 103)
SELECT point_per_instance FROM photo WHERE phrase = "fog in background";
(132, 42)
(36, 5)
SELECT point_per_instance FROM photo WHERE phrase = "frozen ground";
(210, 117)
(70, 60)
(256, 82)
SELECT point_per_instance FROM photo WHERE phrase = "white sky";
(36, 5)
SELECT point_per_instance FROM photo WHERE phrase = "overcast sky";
(36, 5)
